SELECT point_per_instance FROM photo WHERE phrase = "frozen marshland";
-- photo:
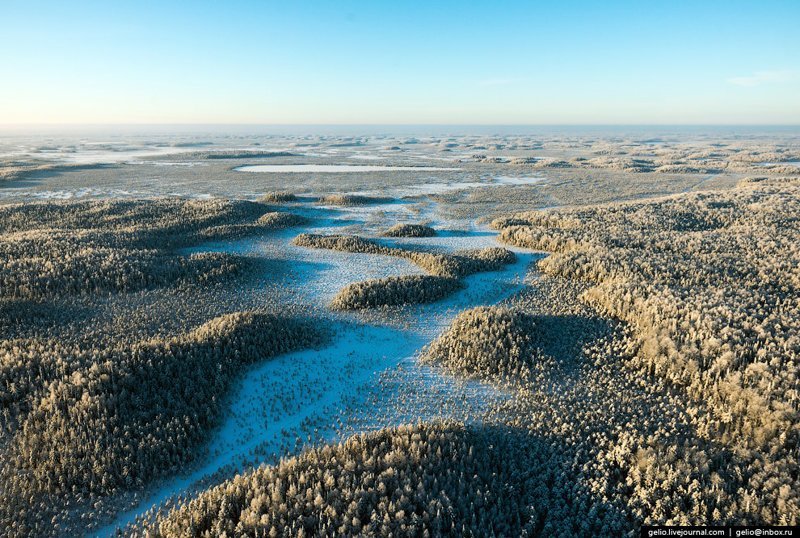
(228, 332)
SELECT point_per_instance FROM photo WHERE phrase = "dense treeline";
(708, 283)
(351, 199)
(274, 220)
(490, 342)
(123, 415)
(395, 291)
(409, 230)
(278, 197)
(462, 263)
(157, 223)
(636, 442)
(344, 243)
(48, 273)
(58, 248)
(425, 480)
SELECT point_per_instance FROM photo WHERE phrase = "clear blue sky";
(465, 62)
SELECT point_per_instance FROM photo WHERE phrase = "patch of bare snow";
(335, 168)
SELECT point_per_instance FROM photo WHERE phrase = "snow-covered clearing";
(367, 377)
(335, 168)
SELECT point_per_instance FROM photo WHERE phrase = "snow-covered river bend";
(366, 378)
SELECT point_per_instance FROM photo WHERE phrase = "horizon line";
(376, 124)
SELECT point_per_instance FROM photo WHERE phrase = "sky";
(400, 62)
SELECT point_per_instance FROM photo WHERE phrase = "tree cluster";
(278, 197)
(440, 479)
(490, 342)
(351, 199)
(395, 291)
(409, 230)
(58, 248)
(274, 220)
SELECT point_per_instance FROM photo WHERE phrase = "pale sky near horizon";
(413, 62)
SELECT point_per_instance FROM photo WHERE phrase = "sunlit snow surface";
(336, 168)
(784, 163)
(441, 188)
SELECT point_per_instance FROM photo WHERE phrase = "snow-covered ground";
(91, 152)
(367, 377)
(441, 188)
(335, 168)
(784, 163)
